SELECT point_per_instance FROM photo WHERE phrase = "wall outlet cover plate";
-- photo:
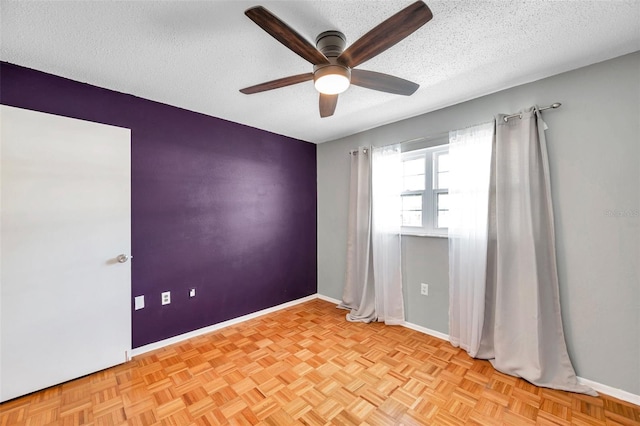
(424, 289)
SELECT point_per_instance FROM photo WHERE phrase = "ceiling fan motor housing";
(331, 44)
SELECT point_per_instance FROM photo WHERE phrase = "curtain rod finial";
(556, 105)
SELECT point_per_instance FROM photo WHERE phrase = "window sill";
(422, 234)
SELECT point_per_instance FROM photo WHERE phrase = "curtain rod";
(429, 138)
(552, 106)
(506, 118)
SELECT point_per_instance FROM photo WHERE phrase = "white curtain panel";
(523, 334)
(387, 220)
(359, 294)
(469, 173)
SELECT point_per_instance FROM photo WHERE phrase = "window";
(425, 191)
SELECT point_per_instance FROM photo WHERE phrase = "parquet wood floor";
(306, 365)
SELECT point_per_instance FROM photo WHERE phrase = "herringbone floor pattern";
(307, 366)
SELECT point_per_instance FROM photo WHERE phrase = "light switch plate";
(166, 297)
(138, 302)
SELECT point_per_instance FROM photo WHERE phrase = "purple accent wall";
(219, 206)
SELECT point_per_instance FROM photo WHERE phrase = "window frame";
(429, 194)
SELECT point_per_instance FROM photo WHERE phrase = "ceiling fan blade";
(386, 34)
(276, 84)
(383, 82)
(285, 35)
(327, 104)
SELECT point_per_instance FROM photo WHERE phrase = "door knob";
(122, 258)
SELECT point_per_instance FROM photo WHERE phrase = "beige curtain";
(373, 284)
(358, 295)
(522, 333)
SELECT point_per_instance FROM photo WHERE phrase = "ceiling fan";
(333, 66)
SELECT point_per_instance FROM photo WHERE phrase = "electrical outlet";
(424, 289)
(166, 297)
(192, 292)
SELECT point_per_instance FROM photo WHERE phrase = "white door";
(65, 202)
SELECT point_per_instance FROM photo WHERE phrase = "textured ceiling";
(198, 54)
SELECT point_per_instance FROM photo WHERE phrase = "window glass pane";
(443, 180)
(443, 163)
(412, 218)
(443, 201)
(443, 218)
(426, 174)
(412, 202)
(413, 183)
(413, 167)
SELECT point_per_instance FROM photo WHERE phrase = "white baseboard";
(610, 391)
(426, 330)
(329, 299)
(599, 387)
(162, 343)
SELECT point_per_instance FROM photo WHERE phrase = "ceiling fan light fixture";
(332, 79)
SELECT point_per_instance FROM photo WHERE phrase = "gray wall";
(594, 141)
